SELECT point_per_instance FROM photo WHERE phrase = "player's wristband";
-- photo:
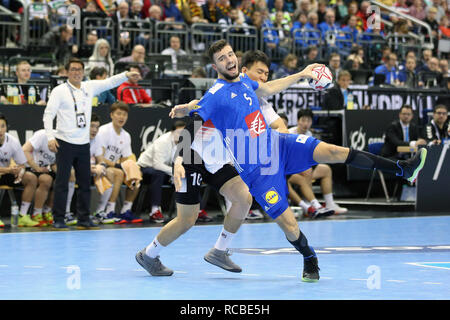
(118, 166)
(104, 164)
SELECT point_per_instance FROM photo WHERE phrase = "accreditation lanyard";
(79, 116)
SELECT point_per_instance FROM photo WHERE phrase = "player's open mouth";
(232, 68)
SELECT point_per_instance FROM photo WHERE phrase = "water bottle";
(15, 95)
(350, 101)
(31, 95)
(95, 101)
(9, 94)
(14, 215)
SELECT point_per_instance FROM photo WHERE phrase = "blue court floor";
(388, 258)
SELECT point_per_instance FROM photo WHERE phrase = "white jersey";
(42, 155)
(115, 145)
(208, 141)
(11, 148)
(294, 130)
(95, 149)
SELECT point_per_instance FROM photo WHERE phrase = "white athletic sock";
(316, 204)
(24, 208)
(46, 209)
(111, 206)
(154, 248)
(126, 206)
(304, 205)
(70, 195)
(104, 200)
(154, 209)
(228, 204)
(329, 202)
(224, 240)
(37, 211)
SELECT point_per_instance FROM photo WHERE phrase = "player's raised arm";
(275, 86)
(182, 110)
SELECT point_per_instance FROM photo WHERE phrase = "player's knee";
(45, 181)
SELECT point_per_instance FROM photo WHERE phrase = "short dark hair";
(251, 57)
(216, 47)
(95, 117)
(2, 117)
(405, 106)
(304, 113)
(74, 60)
(135, 66)
(440, 106)
(283, 116)
(119, 105)
(178, 124)
(97, 71)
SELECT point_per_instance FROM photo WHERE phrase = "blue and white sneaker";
(128, 217)
(108, 218)
(70, 220)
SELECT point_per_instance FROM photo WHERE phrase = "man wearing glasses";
(438, 128)
(71, 104)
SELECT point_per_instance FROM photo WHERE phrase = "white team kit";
(41, 153)
(115, 146)
(11, 148)
(95, 149)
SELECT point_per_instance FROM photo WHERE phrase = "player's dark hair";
(135, 66)
(119, 105)
(251, 57)
(95, 117)
(178, 124)
(440, 106)
(97, 71)
(2, 117)
(304, 113)
(74, 60)
(216, 47)
(283, 116)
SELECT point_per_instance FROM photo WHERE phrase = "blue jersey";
(234, 110)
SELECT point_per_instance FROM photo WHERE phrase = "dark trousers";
(155, 179)
(77, 156)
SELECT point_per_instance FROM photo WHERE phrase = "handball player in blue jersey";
(263, 157)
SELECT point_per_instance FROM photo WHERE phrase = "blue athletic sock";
(367, 160)
(301, 244)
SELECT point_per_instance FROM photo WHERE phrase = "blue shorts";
(271, 191)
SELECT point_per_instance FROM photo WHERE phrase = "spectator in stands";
(95, 18)
(198, 72)
(443, 66)
(363, 13)
(121, 19)
(389, 70)
(313, 25)
(170, 11)
(192, 13)
(431, 76)
(322, 7)
(342, 10)
(61, 71)
(320, 172)
(137, 57)
(438, 127)
(41, 165)
(336, 97)
(101, 57)
(276, 41)
(211, 12)
(132, 93)
(106, 97)
(407, 76)
(352, 29)
(280, 7)
(136, 10)
(23, 75)
(232, 19)
(444, 27)
(312, 55)
(38, 14)
(116, 144)
(402, 132)
(426, 56)
(288, 67)
(224, 7)
(174, 50)
(440, 9)
(355, 59)
(434, 25)
(58, 39)
(156, 167)
(87, 48)
(246, 10)
(330, 23)
(290, 6)
(303, 8)
(353, 11)
(299, 33)
(334, 64)
(417, 10)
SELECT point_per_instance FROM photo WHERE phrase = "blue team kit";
(262, 156)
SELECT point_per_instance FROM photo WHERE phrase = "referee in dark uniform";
(71, 104)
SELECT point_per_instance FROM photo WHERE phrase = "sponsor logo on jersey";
(272, 197)
(215, 88)
(233, 95)
(301, 138)
(255, 123)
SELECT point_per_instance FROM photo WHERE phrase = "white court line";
(34, 267)
(4, 266)
(432, 283)
(285, 276)
(355, 279)
(399, 281)
(422, 264)
(105, 269)
(251, 274)
(180, 271)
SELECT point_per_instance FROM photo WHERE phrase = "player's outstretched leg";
(408, 169)
(289, 225)
(221, 259)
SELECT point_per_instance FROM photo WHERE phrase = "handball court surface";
(363, 255)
